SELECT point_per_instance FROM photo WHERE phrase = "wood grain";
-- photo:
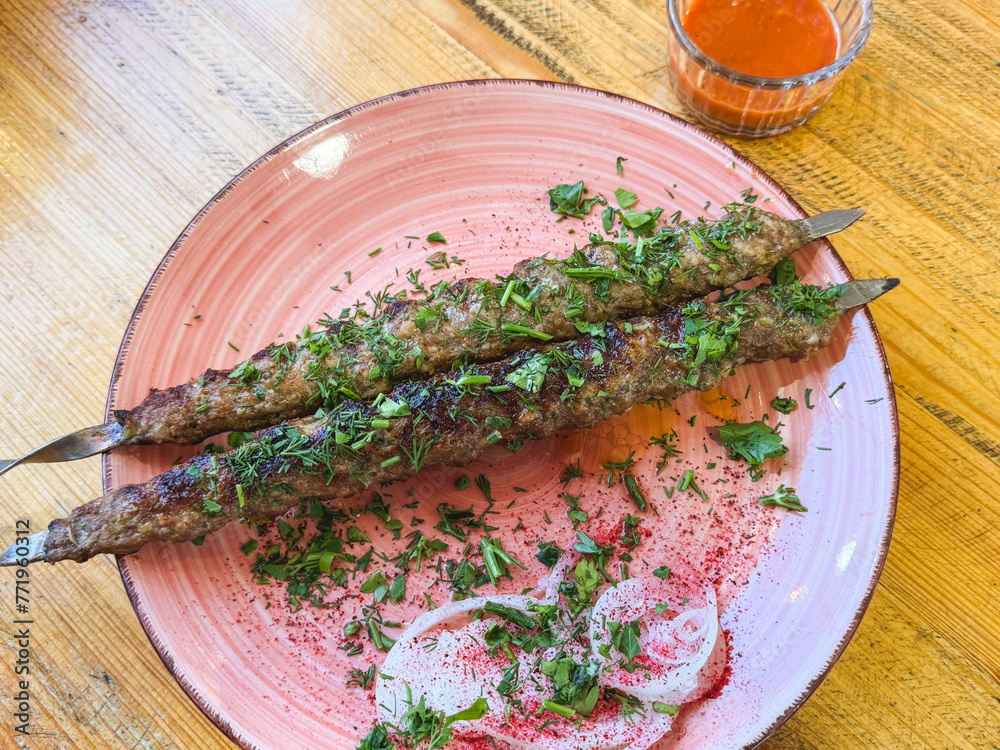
(119, 120)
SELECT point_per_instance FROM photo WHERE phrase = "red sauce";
(766, 38)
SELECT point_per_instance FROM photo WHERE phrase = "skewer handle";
(30, 549)
(80, 444)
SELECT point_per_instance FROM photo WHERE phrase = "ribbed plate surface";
(473, 161)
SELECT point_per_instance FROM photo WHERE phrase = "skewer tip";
(831, 222)
(864, 291)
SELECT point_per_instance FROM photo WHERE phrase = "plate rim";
(210, 712)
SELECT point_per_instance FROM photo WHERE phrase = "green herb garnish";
(754, 442)
(784, 405)
(625, 198)
(569, 200)
(783, 273)
(548, 554)
(667, 442)
(574, 685)
(784, 497)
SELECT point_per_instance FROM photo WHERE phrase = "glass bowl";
(748, 106)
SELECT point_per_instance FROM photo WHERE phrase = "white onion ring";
(683, 678)
(608, 732)
(403, 657)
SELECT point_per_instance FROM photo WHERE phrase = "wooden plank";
(929, 695)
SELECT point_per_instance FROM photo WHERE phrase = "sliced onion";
(458, 670)
(429, 620)
(445, 679)
(682, 651)
(430, 673)
(607, 732)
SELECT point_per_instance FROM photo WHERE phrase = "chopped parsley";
(811, 303)
(548, 554)
(754, 442)
(622, 471)
(625, 198)
(574, 685)
(569, 200)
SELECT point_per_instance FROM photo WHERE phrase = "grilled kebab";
(541, 300)
(452, 417)
(544, 299)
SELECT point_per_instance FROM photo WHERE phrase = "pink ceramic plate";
(473, 161)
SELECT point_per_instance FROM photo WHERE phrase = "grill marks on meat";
(463, 321)
(448, 419)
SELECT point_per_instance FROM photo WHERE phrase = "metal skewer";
(32, 548)
(80, 444)
(831, 222)
(102, 438)
(864, 291)
(29, 549)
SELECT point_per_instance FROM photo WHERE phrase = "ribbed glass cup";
(748, 106)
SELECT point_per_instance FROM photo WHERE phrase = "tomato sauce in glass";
(765, 38)
(774, 40)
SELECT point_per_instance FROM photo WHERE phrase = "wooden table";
(118, 121)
